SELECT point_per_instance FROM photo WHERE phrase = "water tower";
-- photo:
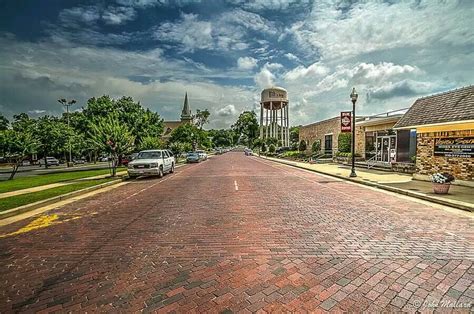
(274, 118)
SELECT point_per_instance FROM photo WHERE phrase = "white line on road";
(236, 185)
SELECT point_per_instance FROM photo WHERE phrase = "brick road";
(239, 234)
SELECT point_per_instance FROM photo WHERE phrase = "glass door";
(385, 153)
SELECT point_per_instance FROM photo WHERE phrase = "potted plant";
(441, 182)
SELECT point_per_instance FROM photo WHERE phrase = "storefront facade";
(444, 125)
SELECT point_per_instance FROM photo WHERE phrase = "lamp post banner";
(346, 121)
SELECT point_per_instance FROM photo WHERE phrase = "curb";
(49, 201)
(421, 196)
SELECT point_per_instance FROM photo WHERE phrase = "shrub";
(316, 147)
(263, 148)
(443, 177)
(302, 146)
(271, 149)
(344, 142)
(272, 140)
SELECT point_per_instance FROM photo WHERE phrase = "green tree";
(3, 122)
(113, 138)
(150, 142)
(221, 138)
(22, 122)
(263, 147)
(190, 134)
(178, 148)
(294, 135)
(140, 122)
(51, 134)
(17, 146)
(201, 117)
(344, 142)
(302, 146)
(247, 125)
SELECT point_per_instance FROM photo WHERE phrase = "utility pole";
(68, 104)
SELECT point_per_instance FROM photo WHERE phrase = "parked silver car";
(193, 157)
(51, 161)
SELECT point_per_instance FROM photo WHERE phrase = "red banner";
(346, 121)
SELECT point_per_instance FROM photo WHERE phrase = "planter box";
(441, 188)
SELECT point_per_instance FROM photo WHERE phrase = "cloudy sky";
(223, 52)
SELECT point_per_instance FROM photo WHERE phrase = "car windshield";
(149, 155)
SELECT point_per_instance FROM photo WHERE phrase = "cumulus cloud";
(402, 88)
(118, 15)
(246, 63)
(36, 111)
(73, 16)
(227, 111)
(316, 69)
(276, 5)
(340, 29)
(381, 71)
(291, 56)
(190, 32)
(226, 31)
(264, 78)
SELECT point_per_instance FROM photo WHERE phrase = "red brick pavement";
(286, 240)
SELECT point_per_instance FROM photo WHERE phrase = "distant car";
(283, 149)
(193, 157)
(202, 154)
(79, 161)
(126, 160)
(104, 158)
(26, 163)
(51, 161)
(248, 152)
(150, 163)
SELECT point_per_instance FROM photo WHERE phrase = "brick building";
(444, 125)
(375, 137)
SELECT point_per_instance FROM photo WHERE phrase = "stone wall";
(427, 163)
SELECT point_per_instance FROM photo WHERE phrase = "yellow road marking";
(40, 222)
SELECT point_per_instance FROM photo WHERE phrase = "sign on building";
(462, 147)
(346, 121)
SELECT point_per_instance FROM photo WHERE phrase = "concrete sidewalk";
(461, 197)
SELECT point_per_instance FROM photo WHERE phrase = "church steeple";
(186, 113)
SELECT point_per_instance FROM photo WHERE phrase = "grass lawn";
(33, 181)
(20, 200)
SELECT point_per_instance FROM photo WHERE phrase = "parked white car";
(50, 160)
(154, 162)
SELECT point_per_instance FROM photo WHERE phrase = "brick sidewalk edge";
(457, 204)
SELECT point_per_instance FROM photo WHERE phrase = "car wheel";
(172, 168)
(160, 172)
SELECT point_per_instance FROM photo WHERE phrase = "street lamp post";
(354, 99)
(67, 104)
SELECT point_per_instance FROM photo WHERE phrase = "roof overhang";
(378, 120)
(433, 124)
